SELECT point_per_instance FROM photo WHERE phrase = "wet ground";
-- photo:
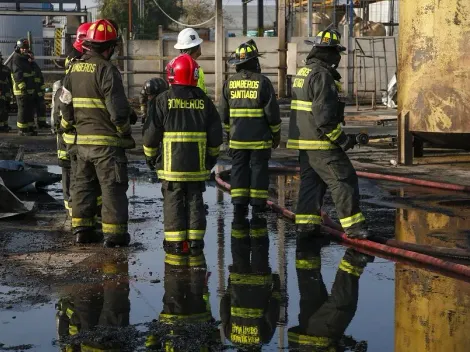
(119, 299)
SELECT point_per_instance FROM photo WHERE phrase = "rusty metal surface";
(434, 65)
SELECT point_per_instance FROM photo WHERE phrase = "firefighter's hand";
(133, 117)
(349, 143)
(151, 162)
(230, 152)
(276, 140)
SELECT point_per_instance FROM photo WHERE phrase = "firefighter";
(83, 310)
(186, 306)
(250, 308)
(6, 90)
(185, 121)
(24, 88)
(77, 46)
(151, 89)
(95, 103)
(252, 122)
(39, 102)
(188, 42)
(323, 318)
(315, 130)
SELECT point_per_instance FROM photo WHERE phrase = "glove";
(349, 143)
(276, 139)
(133, 117)
(151, 162)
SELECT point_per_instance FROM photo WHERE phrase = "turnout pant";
(106, 166)
(25, 122)
(250, 176)
(3, 113)
(40, 107)
(183, 210)
(322, 169)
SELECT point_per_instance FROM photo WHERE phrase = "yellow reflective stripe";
(86, 222)
(69, 312)
(99, 200)
(350, 269)
(259, 232)
(309, 340)
(86, 348)
(301, 105)
(308, 264)
(240, 233)
(174, 259)
(250, 279)
(196, 234)
(334, 135)
(68, 207)
(73, 330)
(250, 145)
(23, 125)
(65, 124)
(234, 113)
(43, 87)
(352, 220)
(198, 260)
(247, 313)
(240, 192)
(227, 127)
(149, 151)
(62, 155)
(244, 339)
(37, 80)
(175, 236)
(91, 103)
(185, 136)
(259, 193)
(302, 219)
(115, 229)
(171, 318)
(112, 141)
(275, 128)
(183, 176)
(124, 128)
(213, 151)
(310, 145)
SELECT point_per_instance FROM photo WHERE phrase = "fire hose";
(386, 247)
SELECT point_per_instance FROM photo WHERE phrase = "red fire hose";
(432, 262)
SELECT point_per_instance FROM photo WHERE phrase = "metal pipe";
(309, 18)
(260, 18)
(245, 16)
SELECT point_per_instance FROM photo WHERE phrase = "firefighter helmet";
(245, 52)
(100, 32)
(328, 38)
(187, 39)
(22, 43)
(81, 34)
(155, 86)
(183, 70)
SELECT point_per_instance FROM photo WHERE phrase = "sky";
(92, 3)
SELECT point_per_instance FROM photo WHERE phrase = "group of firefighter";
(182, 136)
(22, 78)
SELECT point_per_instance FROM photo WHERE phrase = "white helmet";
(187, 38)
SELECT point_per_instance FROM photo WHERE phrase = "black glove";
(151, 162)
(276, 139)
(211, 162)
(349, 143)
(133, 117)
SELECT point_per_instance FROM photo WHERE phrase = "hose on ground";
(415, 257)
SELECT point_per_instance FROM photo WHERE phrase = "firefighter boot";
(87, 235)
(121, 240)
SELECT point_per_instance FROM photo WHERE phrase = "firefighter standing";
(5, 96)
(252, 121)
(189, 43)
(24, 88)
(39, 102)
(324, 318)
(98, 108)
(151, 89)
(250, 308)
(185, 121)
(315, 130)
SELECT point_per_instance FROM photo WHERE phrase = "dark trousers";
(331, 169)
(25, 120)
(40, 107)
(108, 167)
(250, 176)
(184, 212)
(3, 113)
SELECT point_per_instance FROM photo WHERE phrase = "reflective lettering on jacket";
(243, 84)
(177, 103)
(83, 67)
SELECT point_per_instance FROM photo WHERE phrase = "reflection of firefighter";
(40, 89)
(252, 122)
(186, 307)
(98, 108)
(105, 305)
(6, 91)
(185, 121)
(151, 89)
(24, 87)
(315, 130)
(323, 319)
(250, 308)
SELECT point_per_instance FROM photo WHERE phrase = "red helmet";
(81, 34)
(183, 70)
(101, 31)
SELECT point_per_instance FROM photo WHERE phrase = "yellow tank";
(434, 70)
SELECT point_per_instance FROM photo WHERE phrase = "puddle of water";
(409, 308)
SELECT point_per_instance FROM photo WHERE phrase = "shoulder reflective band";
(235, 113)
(301, 105)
